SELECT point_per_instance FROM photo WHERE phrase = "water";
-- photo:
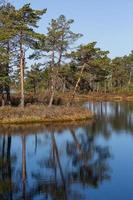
(86, 161)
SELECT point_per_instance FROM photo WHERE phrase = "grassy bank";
(37, 114)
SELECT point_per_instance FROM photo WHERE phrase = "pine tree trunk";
(7, 86)
(98, 86)
(52, 81)
(52, 96)
(22, 72)
(105, 87)
(3, 100)
(8, 96)
(34, 88)
(76, 86)
(129, 80)
(64, 87)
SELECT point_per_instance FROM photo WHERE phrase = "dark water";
(84, 161)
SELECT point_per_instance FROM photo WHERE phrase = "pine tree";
(6, 48)
(34, 78)
(26, 20)
(58, 41)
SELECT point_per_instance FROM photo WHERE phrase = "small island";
(38, 114)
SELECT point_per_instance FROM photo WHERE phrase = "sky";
(109, 22)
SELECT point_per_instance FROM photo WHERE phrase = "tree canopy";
(31, 61)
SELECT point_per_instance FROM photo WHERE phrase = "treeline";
(58, 64)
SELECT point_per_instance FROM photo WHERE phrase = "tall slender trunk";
(64, 86)
(34, 89)
(22, 70)
(111, 83)
(3, 99)
(60, 51)
(7, 86)
(52, 89)
(52, 96)
(98, 86)
(52, 81)
(60, 57)
(8, 96)
(130, 76)
(105, 87)
(76, 86)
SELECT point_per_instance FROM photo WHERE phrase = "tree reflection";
(56, 153)
(88, 160)
(49, 163)
(111, 117)
(88, 163)
(6, 169)
(23, 167)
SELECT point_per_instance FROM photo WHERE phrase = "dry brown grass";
(35, 114)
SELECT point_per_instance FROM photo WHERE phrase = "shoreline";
(42, 114)
(100, 97)
(58, 114)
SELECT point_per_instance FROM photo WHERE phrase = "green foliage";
(61, 62)
(57, 42)
(34, 78)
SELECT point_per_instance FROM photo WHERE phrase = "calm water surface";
(87, 161)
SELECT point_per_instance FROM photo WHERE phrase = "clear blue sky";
(109, 22)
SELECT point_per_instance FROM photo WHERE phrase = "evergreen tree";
(55, 46)
(34, 78)
(6, 48)
(24, 21)
(91, 63)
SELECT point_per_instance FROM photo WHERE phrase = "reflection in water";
(24, 167)
(112, 116)
(64, 162)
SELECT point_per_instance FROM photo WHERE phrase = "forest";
(34, 64)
